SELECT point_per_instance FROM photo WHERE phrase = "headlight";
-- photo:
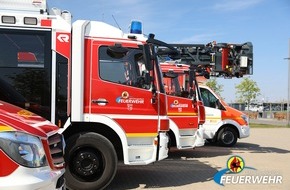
(25, 149)
(245, 118)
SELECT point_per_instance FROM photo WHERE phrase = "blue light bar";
(136, 27)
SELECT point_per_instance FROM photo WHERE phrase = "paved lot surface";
(267, 150)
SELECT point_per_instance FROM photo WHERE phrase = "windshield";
(25, 65)
(172, 86)
(177, 84)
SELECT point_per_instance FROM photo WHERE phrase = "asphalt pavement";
(267, 150)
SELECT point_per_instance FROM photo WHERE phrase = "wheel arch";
(173, 133)
(224, 126)
(100, 128)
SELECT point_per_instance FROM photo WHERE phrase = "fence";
(266, 110)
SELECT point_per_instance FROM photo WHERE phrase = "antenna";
(116, 22)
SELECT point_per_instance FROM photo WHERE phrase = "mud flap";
(163, 146)
(199, 141)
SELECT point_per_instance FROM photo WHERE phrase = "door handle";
(100, 101)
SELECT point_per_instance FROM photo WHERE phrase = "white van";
(223, 124)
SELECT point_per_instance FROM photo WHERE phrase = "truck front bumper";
(245, 131)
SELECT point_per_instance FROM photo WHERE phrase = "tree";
(217, 88)
(247, 91)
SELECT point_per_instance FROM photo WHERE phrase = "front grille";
(56, 146)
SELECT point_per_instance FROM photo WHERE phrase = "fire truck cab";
(102, 86)
(185, 108)
(31, 151)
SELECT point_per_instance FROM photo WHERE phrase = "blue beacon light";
(136, 27)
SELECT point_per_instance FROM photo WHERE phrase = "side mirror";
(206, 75)
(219, 105)
(147, 78)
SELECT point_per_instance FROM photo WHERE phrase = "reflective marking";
(141, 134)
(6, 128)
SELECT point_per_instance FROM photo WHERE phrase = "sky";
(265, 23)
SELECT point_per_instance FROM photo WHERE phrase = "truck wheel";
(91, 161)
(227, 137)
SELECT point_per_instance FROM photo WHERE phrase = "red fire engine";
(101, 85)
(31, 151)
(217, 60)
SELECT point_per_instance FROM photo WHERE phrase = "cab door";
(115, 88)
(181, 109)
(213, 113)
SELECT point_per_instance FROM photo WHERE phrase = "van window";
(209, 100)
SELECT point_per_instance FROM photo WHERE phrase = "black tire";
(91, 162)
(227, 137)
